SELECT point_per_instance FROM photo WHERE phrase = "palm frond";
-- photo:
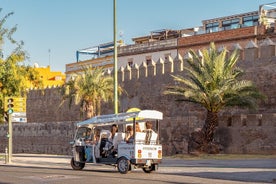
(213, 81)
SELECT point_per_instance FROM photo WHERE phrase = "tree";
(90, 89)
(214, 82)
(13, 74)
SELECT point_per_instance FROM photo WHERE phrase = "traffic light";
(10, 105)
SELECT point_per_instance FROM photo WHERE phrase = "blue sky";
(64, 26)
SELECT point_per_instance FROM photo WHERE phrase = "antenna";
(49, 52)
(121, 34)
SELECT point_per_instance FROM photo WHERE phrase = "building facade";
(49, 78)
(230, 32)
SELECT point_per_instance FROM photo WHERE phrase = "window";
(250, 21)
(148, 59)
(166, 56)
(130, 62)
(58, 78)
(230, 24)
(212, 27)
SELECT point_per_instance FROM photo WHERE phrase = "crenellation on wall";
(135, 72)
(267, 49)
(239, 120)
(143, 70)
(225, 121)
(250, 56)
(251, 51)
(239, 49)
(269, 120)
(168, 65)
(151, 68)
(160, 67)
(254, 120)
(127, 73)
(121, 76)
(178, 64)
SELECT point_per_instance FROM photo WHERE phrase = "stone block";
(269, 120)
(254, 120)
(237, 121)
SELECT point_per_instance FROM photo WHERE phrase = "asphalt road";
(56, 169)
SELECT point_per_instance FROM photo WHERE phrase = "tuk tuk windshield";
(83, 133)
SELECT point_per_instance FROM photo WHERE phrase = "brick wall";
(222, 38)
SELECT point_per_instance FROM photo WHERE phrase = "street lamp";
(115, 69)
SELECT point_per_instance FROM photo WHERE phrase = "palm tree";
(213, 81)
(90, 89)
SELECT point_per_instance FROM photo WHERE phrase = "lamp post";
(115, 69)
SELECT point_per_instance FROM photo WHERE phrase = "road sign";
(19, 119)
(19, 114)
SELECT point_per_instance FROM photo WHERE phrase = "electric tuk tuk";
(144, 151)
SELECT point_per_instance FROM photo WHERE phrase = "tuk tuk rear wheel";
(123, 165)
(149, 169)
(77, 165)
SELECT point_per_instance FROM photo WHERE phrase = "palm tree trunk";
(202, 141)
(210, 125)
(89, 110)
(98, 103)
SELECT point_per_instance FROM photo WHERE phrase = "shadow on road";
(258, 176)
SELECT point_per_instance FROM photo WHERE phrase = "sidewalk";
(38, 160)
(45, 160)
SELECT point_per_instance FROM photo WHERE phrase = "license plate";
(148, 163)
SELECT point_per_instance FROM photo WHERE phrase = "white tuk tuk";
(144, 151)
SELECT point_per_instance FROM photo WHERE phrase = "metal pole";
(6, 156)
(115, 60)
(9, 136)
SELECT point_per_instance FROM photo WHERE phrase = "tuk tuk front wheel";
(77, 165)
(123, 165)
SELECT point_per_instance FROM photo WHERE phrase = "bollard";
(6, 156)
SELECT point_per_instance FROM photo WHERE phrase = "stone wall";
(247, 134)
(240, 130)
(43, 138)
(251, 133)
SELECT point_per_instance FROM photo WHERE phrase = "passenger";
(90, 146)
(96, 137)
(114, 129)
(88, 137)
(148, 131)
(129, 134)
(137, 127)
(148, 126)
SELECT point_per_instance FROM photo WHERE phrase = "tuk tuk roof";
(122, 118)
